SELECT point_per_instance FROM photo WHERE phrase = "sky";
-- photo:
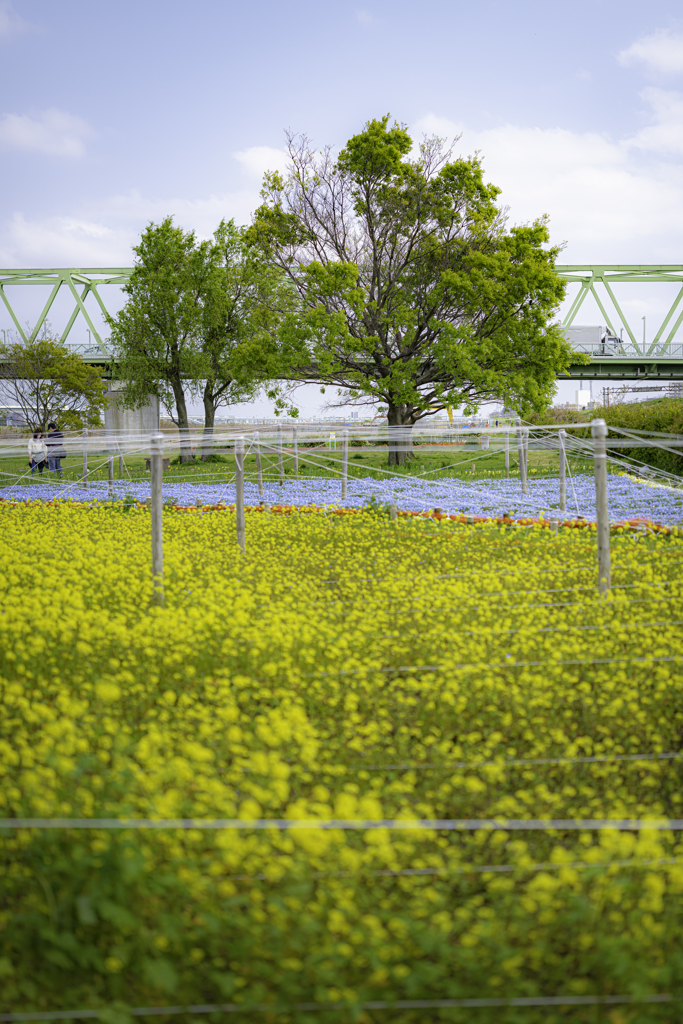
(115, 115)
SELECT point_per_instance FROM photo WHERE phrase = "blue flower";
(627, 497)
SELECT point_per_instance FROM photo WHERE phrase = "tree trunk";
(401, 446)
(209, 419)
(183, 425)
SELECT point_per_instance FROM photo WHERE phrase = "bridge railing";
(626, 350)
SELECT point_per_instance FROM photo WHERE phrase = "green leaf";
(160, 974)
(84, 910)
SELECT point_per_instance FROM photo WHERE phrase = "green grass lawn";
(429, 463)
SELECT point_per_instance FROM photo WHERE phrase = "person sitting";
(37, 452)
(55, 449)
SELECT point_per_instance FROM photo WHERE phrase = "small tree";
(48, 382)
(195, 322)
(413, 293)
(154, 337)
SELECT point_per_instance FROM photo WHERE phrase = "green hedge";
(664, 416)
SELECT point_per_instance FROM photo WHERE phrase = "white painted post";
(280, 467)
(345, 462)
(85, 456)
(110, 466)
(259, 470)
(156, 453)
(520, 455)
(599, 432)
(507, 454)
(239, 492)
(563, 471)
(295, 448)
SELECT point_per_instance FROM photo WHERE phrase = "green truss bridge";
(614, 351)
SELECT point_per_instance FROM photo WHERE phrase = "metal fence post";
(280, 467)
(156, 465)
(295, 448)
(599, 432)
(259, 470)
(520, 455)
(85, 456)
(239, 492)
(563, 471)
(110, 465)
(525, 434)
(345, 462)
(507, 454)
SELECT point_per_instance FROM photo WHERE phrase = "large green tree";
(195, 322)
(413, 292)
(50, 383)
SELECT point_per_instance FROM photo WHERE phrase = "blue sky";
(112, 115)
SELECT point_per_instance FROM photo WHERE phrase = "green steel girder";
(662, 360)
(88, 280)
(590, 277)
(645, 368)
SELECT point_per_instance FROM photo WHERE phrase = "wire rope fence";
(608, 618)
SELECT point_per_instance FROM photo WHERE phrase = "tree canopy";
(412, 290)
(196, 321)
(50, 383)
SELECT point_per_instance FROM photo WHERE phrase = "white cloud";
(666, 135)
(662, 51)
(61, 241)
(11, 24)
(51, 133)
(256, 160)
(102, 234)
(612, 200)
(365, 18)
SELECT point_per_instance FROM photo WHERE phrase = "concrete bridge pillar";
(118, 420)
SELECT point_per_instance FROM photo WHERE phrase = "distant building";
(12, 416)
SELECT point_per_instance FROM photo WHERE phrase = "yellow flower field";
(353, 670)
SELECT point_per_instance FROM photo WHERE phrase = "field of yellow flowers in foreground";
(345, 668)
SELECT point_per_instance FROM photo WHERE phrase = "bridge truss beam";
(660, 360)
(593, 279)
(79, 282)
